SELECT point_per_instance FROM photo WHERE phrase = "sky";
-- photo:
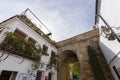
(64, 18)
(110, 10)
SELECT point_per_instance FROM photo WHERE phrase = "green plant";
(35, 66)
(98, 73)
(74, 68)
(44, 51)
(11, 38)
(24, 46)
(54, 61)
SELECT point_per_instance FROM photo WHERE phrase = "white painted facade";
(108, 9)
(111, 51)
(12, 62)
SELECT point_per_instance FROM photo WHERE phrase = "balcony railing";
(20, 47)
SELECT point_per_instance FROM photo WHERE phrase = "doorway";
(8, 75)
(39, 73)
(5, 75)
(69, 66)
(49, 76)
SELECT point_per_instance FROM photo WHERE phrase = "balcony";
(21, 47)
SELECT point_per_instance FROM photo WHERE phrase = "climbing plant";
(98, 73)
(24, 48)
(74, 68)
(53, 61)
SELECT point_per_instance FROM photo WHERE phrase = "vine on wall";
(98, 73)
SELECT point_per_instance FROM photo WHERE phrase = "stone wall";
(78, 46)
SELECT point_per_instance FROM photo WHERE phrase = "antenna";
(24, 12)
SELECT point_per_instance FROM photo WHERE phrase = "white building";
(15, 62)
(109, 42)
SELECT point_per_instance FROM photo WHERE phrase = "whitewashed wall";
(110, 49)
(12, 62)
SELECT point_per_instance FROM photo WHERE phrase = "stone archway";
(74, 49)
(67, 57)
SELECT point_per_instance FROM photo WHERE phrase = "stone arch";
(69, 56)
(66, 57)
(76, 47)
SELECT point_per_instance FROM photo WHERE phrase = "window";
(31, 40)
(53, 59)
(53, 53)
(39, 75)
(50, 76)
(19, 34)
(5, 75)
(45, 48)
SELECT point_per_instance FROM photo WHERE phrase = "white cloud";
(65, 18)
(110, 10)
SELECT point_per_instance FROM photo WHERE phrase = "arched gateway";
(75, 49)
